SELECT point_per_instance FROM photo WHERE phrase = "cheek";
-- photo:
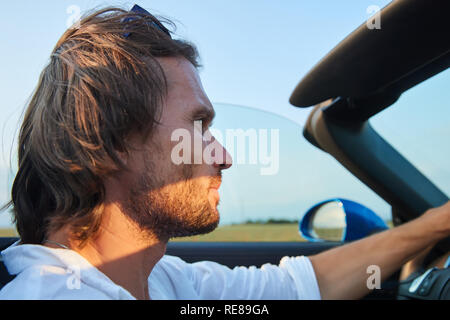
(186, 145)
(183, 146)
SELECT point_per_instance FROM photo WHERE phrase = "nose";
(224, 161)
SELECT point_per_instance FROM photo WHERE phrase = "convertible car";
(361, 77)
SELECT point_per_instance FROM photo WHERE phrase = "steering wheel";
(427, 276)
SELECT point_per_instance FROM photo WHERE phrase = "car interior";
(363, 75)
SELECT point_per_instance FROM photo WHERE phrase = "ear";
(126, 148)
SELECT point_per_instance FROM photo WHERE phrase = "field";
(250, 232)
(241, 232)
(8, 233)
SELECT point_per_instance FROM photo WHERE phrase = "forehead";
(185, 91)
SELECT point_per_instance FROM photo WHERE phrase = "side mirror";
(339, 220)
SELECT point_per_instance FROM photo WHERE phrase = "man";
(97, 195)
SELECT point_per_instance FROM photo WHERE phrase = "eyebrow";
(202, 111)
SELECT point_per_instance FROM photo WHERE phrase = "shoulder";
(176, 264)
(172, 261)
(171, 266)
(48, 283)
(174, 278)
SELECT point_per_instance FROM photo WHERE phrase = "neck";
(116, 251)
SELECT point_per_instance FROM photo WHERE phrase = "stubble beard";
(166, 209)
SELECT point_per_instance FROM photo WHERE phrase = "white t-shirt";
(47, 273)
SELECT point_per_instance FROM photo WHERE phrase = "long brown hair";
(99, 87)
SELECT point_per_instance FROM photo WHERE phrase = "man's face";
(168, 199)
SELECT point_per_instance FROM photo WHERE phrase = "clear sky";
(254, 53)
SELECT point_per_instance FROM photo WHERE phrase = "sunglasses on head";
(155, 23)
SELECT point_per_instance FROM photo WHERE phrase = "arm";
(341, 272)
(294, 278)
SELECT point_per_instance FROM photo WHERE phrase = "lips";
(214, 196)
(215, 184)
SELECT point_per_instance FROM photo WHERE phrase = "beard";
(178, 207)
